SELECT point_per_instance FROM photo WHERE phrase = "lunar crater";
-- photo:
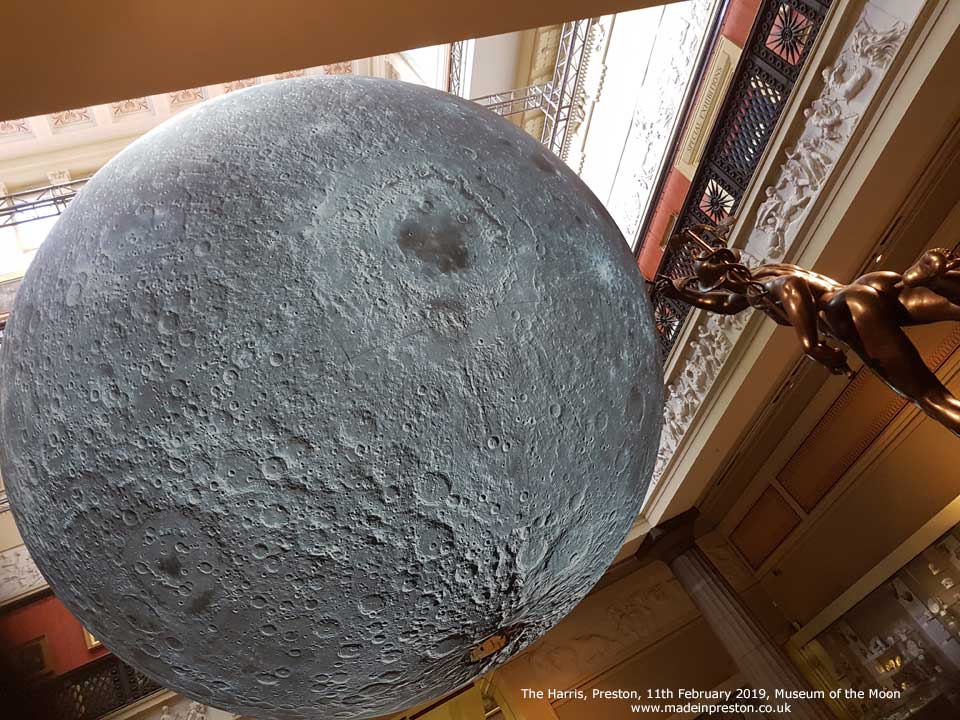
(302, 401)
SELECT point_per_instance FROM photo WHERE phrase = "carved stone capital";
(670, 539)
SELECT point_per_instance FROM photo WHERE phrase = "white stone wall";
(636, 80)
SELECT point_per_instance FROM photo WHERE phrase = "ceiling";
(77, 142)
(82, 54)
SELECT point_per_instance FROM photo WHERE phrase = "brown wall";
(67, 55)
(886, 506)
(48, 617)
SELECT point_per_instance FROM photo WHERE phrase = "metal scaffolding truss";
(566, 89)
(516, 101)
(38, 203)
(455, 69)
(559, 100)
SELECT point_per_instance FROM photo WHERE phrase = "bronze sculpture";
(867, 315)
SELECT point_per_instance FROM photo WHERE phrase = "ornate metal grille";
(92, 690)
(769, 66)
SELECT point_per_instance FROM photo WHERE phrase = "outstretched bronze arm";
(718, 301)
(937, 269)
(868, 315)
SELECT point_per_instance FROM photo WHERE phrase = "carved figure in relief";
(811, 161)
(876, 47)
(867, 315)
(784, 204)
(830, 120)
(826, 114)
(196, 711)
(770, 210)
(193, 711)
(846, 79)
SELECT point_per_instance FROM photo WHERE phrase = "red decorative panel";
(48, 617)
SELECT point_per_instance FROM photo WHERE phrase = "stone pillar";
(762, 663)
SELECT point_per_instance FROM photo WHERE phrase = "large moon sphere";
(319, 385)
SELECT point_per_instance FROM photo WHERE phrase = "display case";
(900, 645)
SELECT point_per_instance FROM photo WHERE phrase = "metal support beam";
(455, 69)
(38, 203)
(559, 99)
(516, 101)
(565, 88)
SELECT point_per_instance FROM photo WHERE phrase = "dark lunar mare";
(316, 386)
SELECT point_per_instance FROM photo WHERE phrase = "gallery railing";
(92, 690)
(769, 67)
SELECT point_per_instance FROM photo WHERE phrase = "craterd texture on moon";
(314, 388)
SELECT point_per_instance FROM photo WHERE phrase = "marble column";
(761, 661)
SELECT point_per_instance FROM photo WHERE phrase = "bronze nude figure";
(867, 315)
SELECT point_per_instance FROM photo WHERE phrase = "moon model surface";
(316, 387)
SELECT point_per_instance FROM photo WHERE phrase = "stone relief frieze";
(849, 83)
(18, 574)
(671, 61)
(187, 710)
(877, 47)
(15, 129)
(177, 707)
(607, 628)
(181, 708)
(704, 358)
